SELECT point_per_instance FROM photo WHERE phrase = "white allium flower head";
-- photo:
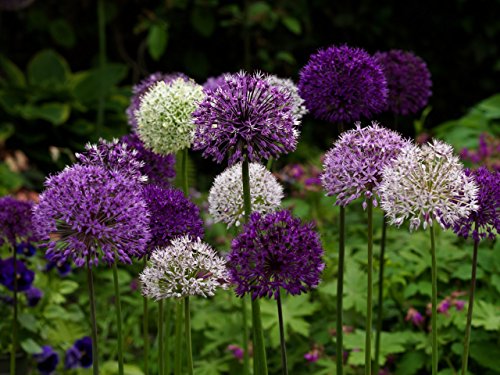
(185, 268)
(286, 84)
(225, 199)
(164, 116)
(427, 183)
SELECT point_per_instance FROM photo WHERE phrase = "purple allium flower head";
(47, 360)
(26, 248)
(342, 84)
(15, 220)
(353, 167)
(245, 116)
(488, 214)
(275, 251)
(159, 168)
(408, 80)
(24, 275)
(80, 354)
(142, 87)
(87, 211)
(172, 215)
(33, 296)
(212, 83)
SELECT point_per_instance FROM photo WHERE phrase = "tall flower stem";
(340, 294)
(101, 25)
(246, 358)
(434, 304)
(187, 328)
(465, 356)
(14, 321)
(369, 298)
(260, 361)
(161, 337)
(178, 339)
(145, 328)
(282, 336)
(95, 353)
(168, 319)
(380, 309)
(118, 318)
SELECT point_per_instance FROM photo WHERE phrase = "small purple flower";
(444, 306)
(237, 351)
(416, 318)
(33, 296)
(408, 79)
(275, 251)
(23, 275)
(47, 360)
(312, 356)
(26, 248)
(80, 354)
(459, 304)
(343, 84)
(63, 268)
(15, 220)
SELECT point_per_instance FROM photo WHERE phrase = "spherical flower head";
(408, 80)
(87, 211)
(487, 215)
(142, 87)
(212, 83)
(160, 169)
(80, 354)
(47, 360)
(342, 84)
(353, 167)
(185, 268)
(245, 116)
(172, 215)
(15, 220)
(23, 275)
(275, 251)
(427, 183)
(287, 85)
(225, 199)
(164, 116)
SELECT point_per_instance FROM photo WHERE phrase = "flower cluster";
(225, 198)
(23, 275)
(287, 85)
(353, 167)
(427, 183)
(164, 116)
(185, 268)
(342, 84)
(275, 251)
(15, 221)
(408, 80)
(245, 117)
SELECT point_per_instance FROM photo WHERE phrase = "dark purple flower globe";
(33, 296)
(87, 212)
(159, 168)
(47, 360)
(488, 214)
(408, 80)
(245, 117)
(172, 215)
(24, 275)
(275, 251)
(15, 221)
(142, 87)
(80, 354)
(343, 84)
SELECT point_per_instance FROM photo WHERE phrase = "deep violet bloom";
(15, 220)
(87, 211)
(142, 87)
(487, 215)
(47, 360)
(237, 351)
(159, 168)
(408, 80)
(342, 84)
(24, 275)
(312, 356)
(275, 251)
(33, 296)
(26, 249)
(80, 354)
(245, 116)
(172, 215)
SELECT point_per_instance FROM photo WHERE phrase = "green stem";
(145, 328)
(434, 304)
(168, 318)
(95, 353)
(187, 328)
(184, 175)
(14, 321)
(340, 294)
(101, 24)
(178, 339)
(118, 318)
(376, 365)
(246, 358)
(161, 338)
(369, 298)
(465, 356)
(282, 336)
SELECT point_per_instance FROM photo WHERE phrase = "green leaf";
(111, 368)
(62, 33)
(55, 113)
(31, 347)
(486, 315)
(9, 181)
(67, 287)
(47, 68)
(292, 24)
(7, 129)
(89, 85)
(13, 75)
(28, 321)
(486, 355)
(203, 21)
(157, 40)
(411, 362)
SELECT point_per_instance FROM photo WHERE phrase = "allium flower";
(353, 167)
(160, 169)
(15, 220)
(212, 83)
(33, 296)
(47, 360)
(426, 183)
(286, 84)
(225, 198)
(408, 80)
(342, 84)
(487, 215)
(185, 268)
(164, 116)
(275, 251)
(88, 211)
(142, 87)
(23, 275)
(80, 354)
(245, 116)
(172, 215)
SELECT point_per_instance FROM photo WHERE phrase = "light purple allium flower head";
(427, 183)
(87, 211)
(160, 169)
(245, 116)
(142, 87)
(212, 83)
(353, 167)
(487, 215)
(15, 221)
(408, 80)
(275, 251)
(342, 84)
